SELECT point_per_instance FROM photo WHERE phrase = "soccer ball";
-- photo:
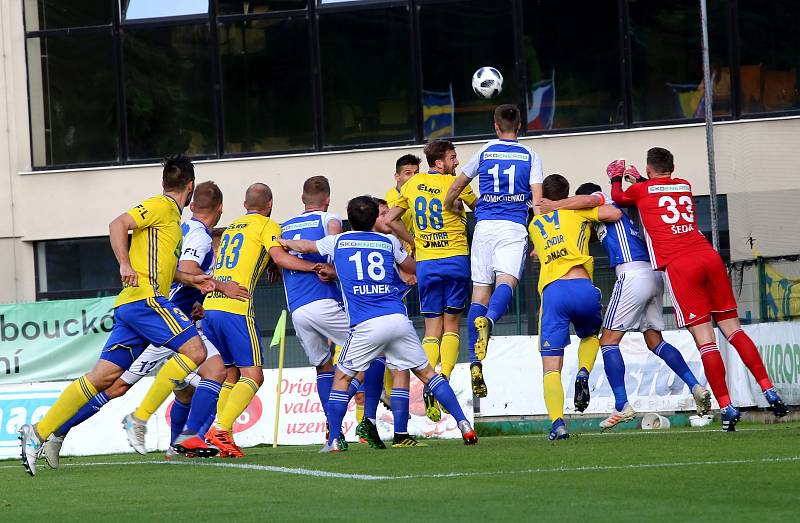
(487, 82)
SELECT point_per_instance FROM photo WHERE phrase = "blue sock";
(373, 385)
(85, 412)
(475, 310)
(353, 388)
(501, 299)
(444, 393)
(615, 372)
(324, 384)
(400, 410)
(337, 407)
(178, 414)
(203, 403)
(207, 425)
(672, 357)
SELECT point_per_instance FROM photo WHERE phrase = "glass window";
(249, 7)
(144, 9)
(168, 91)
(76, 268)
(568, 87)
(457, 39)
(266, 85)
(769, 57)
(367, 76)
(702, 212)
(41, 15)
(667, 61)
(73, 99)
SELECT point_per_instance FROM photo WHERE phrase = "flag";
(542, 105)
(280, 330)
(437, 113)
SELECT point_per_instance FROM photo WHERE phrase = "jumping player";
(694, 272)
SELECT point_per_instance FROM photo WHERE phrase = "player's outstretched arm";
(616, 170)
(395, 222)
(575, 203)
(409, 266)
(118, 233)
(609, 213)
(285, 260)
(232, 290)
(304, 246)
(202, 281)
(454, 191)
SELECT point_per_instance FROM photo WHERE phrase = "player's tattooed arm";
(454, 191)
(575, 203)
(286, 261)
(118, 233)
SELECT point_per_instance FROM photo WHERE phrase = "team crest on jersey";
(179, 313)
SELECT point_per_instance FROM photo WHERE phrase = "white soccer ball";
(487, 82)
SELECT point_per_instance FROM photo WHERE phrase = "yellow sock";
(336, 351)
(587, 352)
(75, 396)
(173, 372)
(359, 407)
(223, 395)
(554, 394)
(238, 400)
(388, 382)
(431, 347)
(449, 352)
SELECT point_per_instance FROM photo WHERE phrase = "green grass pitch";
(677, 475)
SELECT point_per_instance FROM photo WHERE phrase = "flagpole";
(282, 325)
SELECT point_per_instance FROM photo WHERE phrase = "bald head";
(258, 197)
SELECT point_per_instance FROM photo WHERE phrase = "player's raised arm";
(536, 179)
(395, 223)
(461, 181)
(118, 233)
(285, 260)
(616, 171)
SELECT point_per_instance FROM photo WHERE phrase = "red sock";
(752, 359)
(715, 373)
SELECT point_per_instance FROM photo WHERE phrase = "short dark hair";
(362, 211)
(380, 201)
(207, 196)
(507, 118)
(436, 150)
(178, 172)
(315, 190)
(588, 188)
(406, 159)
(660, 160)
(555, 187)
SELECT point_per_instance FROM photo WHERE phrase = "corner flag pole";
(279, 338)
(709, 110)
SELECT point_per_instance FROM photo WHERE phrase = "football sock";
(431, 347)
(715, 373)
(475, 310)
(448, 352)
(238, 400)
(75, 396)
(615, 372)
(587, 352)
(178, 414)
(400, 410)
(553, 394)
(203, 403)
(443, 392)
(373, 385)
(353, 388)
(337, 407)
(359, 409)
(85, 412)
(209, 421)
(324, 384)
(498, 304)
(752, 359)
(224, 394)
(674, 360)
(388, 382)
(174, 371)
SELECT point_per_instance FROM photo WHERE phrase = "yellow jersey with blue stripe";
(561, 241)
(438, 232)
(243, 255)
(155, 248)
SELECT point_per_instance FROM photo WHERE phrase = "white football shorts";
(498, 246)
(317, 322)
(392, 335)
(637, 302)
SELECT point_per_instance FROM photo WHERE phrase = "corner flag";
(279, 338)
(280, 330)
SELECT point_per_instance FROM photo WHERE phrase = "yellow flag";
(280, 330)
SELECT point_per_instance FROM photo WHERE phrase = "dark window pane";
(168, 91)
(367, 77)
(667, 60)
(768, 45)
(144, 9)
(568, 86)
(58, 14)
(73, 99)
(248, 7)
(81, 265)
(266, 85)
(457, 39)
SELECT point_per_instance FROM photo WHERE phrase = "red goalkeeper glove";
(632, 174)
(616, 169)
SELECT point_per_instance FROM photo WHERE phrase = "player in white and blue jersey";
(636, 304)
(366, 264)
(316, 306)
(510, 183)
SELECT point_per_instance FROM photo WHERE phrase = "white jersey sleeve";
(196, 245)
(470, 169)
(329, 217)
(400, 254)
(537, 176)
(326, 245)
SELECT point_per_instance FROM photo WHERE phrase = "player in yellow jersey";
(142, 314)
(560, 240)
(246, 247)
(442, 254)
(405, 167)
